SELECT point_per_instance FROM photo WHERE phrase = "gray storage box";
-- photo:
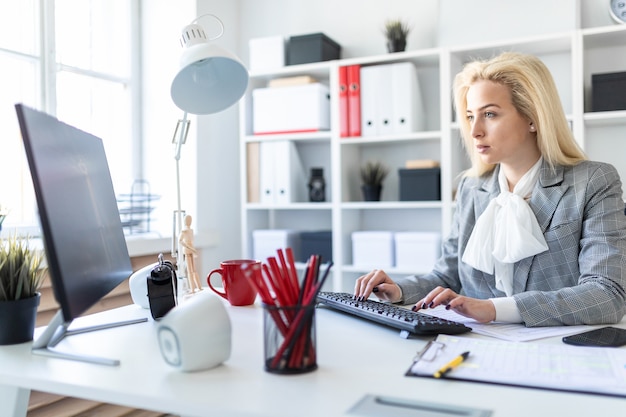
(608, 91)
(420, 184)
(314, 47)
(316, 243)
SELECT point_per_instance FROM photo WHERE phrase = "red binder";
(343, 102)
(354, 100)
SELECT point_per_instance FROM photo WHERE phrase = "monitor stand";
(57, 330)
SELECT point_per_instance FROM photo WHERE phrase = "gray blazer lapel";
(547, 194)
(487, 190)
(544, 201)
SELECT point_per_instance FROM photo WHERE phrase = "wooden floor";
(49, 405)
(42, 404)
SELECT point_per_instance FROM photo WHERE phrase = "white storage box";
(267, 53)
(267, 242)
(373, 249)
(300, 108)
(417, 250)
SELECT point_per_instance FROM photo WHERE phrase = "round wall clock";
(617, 8)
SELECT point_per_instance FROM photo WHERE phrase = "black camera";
(317, 185)
(162, 288)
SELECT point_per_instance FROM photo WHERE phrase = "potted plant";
(396, 32)
(21, 276)
(372, 175)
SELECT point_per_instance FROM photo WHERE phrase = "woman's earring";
(532, 127)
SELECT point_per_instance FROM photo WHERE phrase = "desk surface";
(355, 358)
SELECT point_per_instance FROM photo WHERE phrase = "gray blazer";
(581, 279)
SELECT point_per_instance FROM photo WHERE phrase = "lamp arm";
(182, 128)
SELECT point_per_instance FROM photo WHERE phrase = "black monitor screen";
(82, 232)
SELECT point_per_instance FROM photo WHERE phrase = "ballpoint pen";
(451, 365)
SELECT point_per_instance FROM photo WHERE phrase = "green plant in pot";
(396, 32)
(21, 276)
(372, 175)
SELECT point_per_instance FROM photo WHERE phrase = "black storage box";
(316, 243)
(315, 47)
(608, 91)
(420, 184)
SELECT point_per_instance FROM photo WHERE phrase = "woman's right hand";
(379, 283)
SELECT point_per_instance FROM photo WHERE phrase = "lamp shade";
(210, 78)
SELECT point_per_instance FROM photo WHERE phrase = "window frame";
(46, 68)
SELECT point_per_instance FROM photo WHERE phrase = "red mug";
(237, 288)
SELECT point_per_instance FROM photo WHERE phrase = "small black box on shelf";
(422, 184)
(608, 91)
(316, 243)
(314, 47)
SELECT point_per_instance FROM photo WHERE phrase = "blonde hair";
(533, 94)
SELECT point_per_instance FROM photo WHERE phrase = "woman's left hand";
(483, 311)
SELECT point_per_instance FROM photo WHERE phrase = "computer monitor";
(82, 232)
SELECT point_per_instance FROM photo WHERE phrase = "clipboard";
(559, 367)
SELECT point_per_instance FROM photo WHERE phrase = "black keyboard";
(391, 315)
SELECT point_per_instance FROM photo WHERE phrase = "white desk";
(355, 357)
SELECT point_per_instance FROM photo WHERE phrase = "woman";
(539, 232)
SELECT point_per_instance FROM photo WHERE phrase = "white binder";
(385, 98)
(266, 172)
(282, 175)
(289, 182)
(369, 91)
(408, 110)
(391, 101)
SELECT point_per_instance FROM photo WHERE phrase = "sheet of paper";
(507, 331)
(553, 366)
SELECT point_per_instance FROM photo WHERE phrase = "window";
(72, 59)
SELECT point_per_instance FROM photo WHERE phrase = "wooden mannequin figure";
(190, 253)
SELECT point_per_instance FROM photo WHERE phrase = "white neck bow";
(506, 232)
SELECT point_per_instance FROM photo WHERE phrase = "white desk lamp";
(210, 80)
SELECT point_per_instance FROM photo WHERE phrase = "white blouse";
(506, 232)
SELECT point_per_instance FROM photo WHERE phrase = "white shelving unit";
(572, 57)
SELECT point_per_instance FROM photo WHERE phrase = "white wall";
(355, 24)
(218, 158)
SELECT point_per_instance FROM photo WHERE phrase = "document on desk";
(508, 331)
(559, 367)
